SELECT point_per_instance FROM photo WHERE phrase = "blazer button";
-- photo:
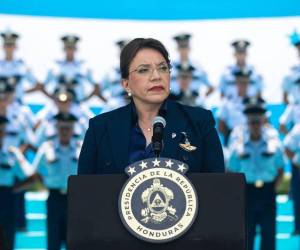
(185, 157)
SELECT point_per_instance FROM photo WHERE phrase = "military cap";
(240, 45)
(254, 105)
(9, 37)
(70, 40)
(183, 40)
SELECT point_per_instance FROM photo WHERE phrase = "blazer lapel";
(119, 132)
(175, 124)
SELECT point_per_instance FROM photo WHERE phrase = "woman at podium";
(120, 137)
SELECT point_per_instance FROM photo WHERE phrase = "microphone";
(158, 124)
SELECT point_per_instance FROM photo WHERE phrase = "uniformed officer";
(186, 95)
(12, 165)
(241, 131)
(292, 149)
(19, 128)
(20, 117)
(15, 70)
(228, 77)
(112, 81)
(64, 102)
(200, 78)
(291, 89)
(71, 72)
(230, 113)
(261, 159)
(55, 161)
(112, 88)
(291, 114)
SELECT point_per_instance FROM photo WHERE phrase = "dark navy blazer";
(105, 148)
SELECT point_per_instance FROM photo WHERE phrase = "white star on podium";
(131, 170)
(181, 167)
(156, 162)
(169, 163)
(143, 165)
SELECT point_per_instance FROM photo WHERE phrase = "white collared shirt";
(17, 67)
(72, 70)
(259, 160)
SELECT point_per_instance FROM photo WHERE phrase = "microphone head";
(159, 119)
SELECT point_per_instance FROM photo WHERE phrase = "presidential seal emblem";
(158, 203)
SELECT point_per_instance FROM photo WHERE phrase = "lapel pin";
(187, 145)
(173, 135)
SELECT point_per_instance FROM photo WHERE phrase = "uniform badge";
(158, 203)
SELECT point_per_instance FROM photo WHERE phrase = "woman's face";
(149, 77)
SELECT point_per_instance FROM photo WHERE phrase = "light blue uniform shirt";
(47, 127)
(111, 83)
(56, 162)
(71, 70)
(259, 160)
(227, 81)
(10, 167)
(18, 68)
(240, 132)
(21, 120)
(291, 114)
(290, 87)
(231, 112)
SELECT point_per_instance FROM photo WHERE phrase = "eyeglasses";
(145, 70)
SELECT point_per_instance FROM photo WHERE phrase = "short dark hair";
(134, 46)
